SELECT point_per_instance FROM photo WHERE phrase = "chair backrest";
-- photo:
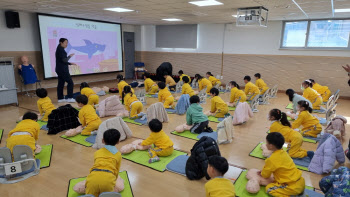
(203, 99)
(330, 113)
(336, 95)
(228, 87)
(330, 102)
(265, 97)
(254, 104)
(5, 158)
(179, 86)
(23, 152)
(110, 194)
(273, 92)
(218, 76)
(203, 92)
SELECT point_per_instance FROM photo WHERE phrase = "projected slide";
(96, 45)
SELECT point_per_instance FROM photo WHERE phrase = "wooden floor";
(70, 160)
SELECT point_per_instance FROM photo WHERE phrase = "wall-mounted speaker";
(12, 19)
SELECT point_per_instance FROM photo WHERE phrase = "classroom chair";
(23, 166)
(254, 104)
(140, 94)
(264, 99)
(24, 82)
(273, 92)
(194, 84)
(179, 86)
(336, 95)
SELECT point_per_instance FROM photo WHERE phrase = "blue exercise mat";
(178, 165)
(213, 135)
(322, 121)
(143, 122)
(320, 111)
(91, 139)
(44, 127)
(305, 162)
(172, 111)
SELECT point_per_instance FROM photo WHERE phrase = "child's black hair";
(276, 139)
(120, 78)
(165, 73)
(41, 92)
(194, 99)
(161, 85)
(155, 125)
(209, 73)
(258, 75)
(312, 81)
(290, 93)
(111, 137)
(198, 77)
(30, 116)
(234, 84)
(308, 83)
(305, 105)
(181, 72)
(126, 90)
(247, 78)
(219, 163)
(84, 85)
(82, 99)
(185, 79)
(280, 116)
(214, 91)
(147, 75)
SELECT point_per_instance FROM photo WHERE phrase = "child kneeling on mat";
(218, 185)
(44, 103)
(87, 91)
(104, 173)
(87, 116)
(25, 133)
(163, 146)
(218, 107)
(288, 179)
(165, 96)
(132, 104)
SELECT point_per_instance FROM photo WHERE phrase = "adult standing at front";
(62, 70)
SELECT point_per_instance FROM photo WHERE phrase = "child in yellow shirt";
(150, 86)
(311, 125)
(218, 107)
(237, 95)
(250, 88)
(163, 146)
(203, 83)
(170, 81)
(121, 85)
(311, 95)
(165, 96)
(181, 74)
(186, 87)
(87, 116)
(218, 186)
(280, 123)
(25, 133)
(260, 83)
(87, 91)
(322, 90)
(44, 103)
(132, 104)
(105, 171)
(214, 81)
(288, 179)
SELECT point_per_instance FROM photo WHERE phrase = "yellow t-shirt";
(250, 88)
(121, 86)
(284, 130)
(236, 94)
(213, 80)
(87, 114)
(45, 105)
(29, 126)
(169, 80)
(306, 120)
(281, 165)
(204, 83)
(187, 89)
(105, 160)
(219, 187)
(159, 139)
(128, 99)
(218, 104)
(310, 94)
(163, 94)
(319, 89)
(186, 76)
(148, 84)
(87, 91)
(261, 84)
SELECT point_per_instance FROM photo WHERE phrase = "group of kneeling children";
(104, 173)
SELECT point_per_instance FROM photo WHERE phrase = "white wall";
(238, 40)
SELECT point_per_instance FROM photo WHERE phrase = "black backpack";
(63, 118)
(197, 164)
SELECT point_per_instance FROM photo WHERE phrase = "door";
(129, 54)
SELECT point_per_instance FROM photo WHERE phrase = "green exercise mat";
(142, 157)
(79, 139)
(186, 134)
(289, 106)
(213, 119)
(45, 155)
(231, 108)
(304, 139)
(127, 192)
(257, 152)
(126, 119)
(1, 134)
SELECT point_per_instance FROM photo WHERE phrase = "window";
(316, 34)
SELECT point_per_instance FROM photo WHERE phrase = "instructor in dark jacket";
(62, 70)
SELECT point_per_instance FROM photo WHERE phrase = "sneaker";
(62, 100)
(141, 114)
(154, 159)
(310, 154)
(71, 100)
